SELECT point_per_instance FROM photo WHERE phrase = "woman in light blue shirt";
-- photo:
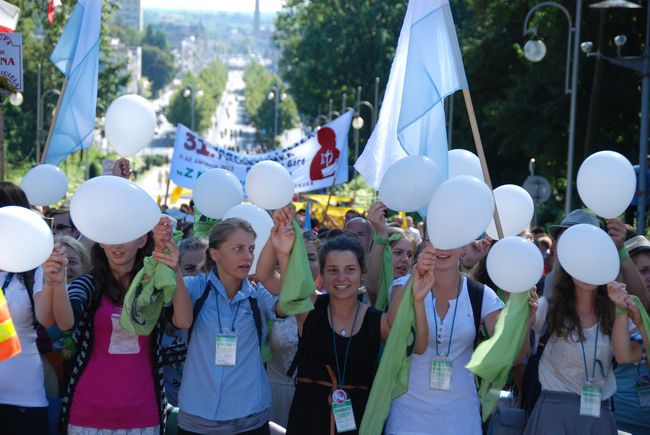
(225, 389)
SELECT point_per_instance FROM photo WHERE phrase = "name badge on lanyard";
(343, 412)
(441, 369)
(590, 400)
(226, 350)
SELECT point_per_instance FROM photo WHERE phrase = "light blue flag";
(427, 67)
(77, 56)
(434, 70)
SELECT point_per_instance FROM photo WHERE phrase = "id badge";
(644, 395)
(343, 412)
(440, 379)
(590, 401)
(122, 342)
(226, 350)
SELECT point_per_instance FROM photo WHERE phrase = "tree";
(157, 66)
(20, 122)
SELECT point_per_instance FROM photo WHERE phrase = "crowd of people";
(224, 357)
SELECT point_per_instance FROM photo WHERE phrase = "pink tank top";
(116, 389)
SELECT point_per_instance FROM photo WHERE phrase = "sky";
(215, 5)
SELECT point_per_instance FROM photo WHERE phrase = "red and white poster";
(318, 161)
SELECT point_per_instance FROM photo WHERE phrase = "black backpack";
(531, 386)
(178, 352)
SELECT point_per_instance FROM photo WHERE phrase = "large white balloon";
(463, 162)
(130, 124)
(515, 264)
(459, 212)
(44, 184)
(516, 209)
(216, 191)
(606, 183)
(269, 185)
(588, 254)
(259, 220)
(25, 239)
(423, 176)
(113, 210)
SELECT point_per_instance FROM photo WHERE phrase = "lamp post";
(640, 64)
(357, 121)
(40, 104)
(15, 99)
(192, 93)
(278, 96)
(535, 50)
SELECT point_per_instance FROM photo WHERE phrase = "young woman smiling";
(340, 339)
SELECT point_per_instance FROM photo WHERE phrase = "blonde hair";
(80, 249)
(219, 235)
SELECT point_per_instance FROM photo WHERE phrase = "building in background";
(130, 14)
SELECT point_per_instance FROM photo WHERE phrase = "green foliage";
(157, 66)
(261, 109)
(212, 81)
(329, 47)
(20, 122)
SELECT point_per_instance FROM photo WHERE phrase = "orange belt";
(333, 385)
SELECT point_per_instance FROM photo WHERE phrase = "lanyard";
(453, 320)
(232, 327)
(7, 281)
(596, 361)
(347, 348)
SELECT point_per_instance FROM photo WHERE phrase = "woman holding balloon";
(23, 405)
(116, 384)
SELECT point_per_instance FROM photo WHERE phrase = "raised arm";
(377, 217)
(52, 304)
(630, 274)
(625, 350)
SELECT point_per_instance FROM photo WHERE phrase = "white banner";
(318, 161)
(11, 61)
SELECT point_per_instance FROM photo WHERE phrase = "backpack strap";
(197, 308)
(475, 290)
(257, 316)
(29, 286)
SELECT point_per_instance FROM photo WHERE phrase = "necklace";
(342, 331)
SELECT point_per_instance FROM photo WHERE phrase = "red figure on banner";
(327, 157)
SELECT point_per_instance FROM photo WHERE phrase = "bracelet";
(621, 311)
(623, 254)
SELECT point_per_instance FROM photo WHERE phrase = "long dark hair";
(342, 243)
(105, 281)
(11, 194)
(563, 318)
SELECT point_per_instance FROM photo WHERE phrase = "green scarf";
(492, 360)
(298, 283)
(645, 318)
(202, 224)
(387, 277)
(153, 286)
(392, 379)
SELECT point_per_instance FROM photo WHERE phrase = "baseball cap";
(577, 216)
(637, 245)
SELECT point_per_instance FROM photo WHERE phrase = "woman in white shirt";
(23, 405)
(587, 327)
(452, 405)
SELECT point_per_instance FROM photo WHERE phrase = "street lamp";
(536, 50)
(640, 64)
(278, 96)
(357, 120)
(193, 94)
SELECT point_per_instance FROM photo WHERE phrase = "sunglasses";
(310, 235)
(61, 227)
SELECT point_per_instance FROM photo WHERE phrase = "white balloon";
(588, 254)
(516, 209)
(606, 183)
(130, 124)
(25, 239)
(216, 191)
(423, 176)
(261, 222)
(515, 264)
(459, 212)
(463, 162)
(113, 210)
(269, 185)
(44, 184)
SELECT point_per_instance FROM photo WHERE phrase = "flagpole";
(56, 116)
(481, 155)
